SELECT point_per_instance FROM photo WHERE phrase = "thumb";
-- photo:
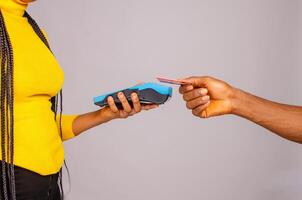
(201, 81)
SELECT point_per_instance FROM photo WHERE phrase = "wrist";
(236, 101)
(104, 115)
(241, 103)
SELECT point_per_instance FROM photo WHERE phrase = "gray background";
(167, 153)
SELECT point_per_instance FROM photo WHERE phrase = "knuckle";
(188, 105)
(180, 90)
(194, 113)
(112, 105)
(115, 110)
(124, 115)
(197, 92)
(128, 110)
(198, 110)
(123, 100)
(201, 102)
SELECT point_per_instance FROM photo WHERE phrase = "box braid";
(7, 113)
(7, 110)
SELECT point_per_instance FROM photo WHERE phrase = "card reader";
(148, 93)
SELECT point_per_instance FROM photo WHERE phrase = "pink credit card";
(172, 81)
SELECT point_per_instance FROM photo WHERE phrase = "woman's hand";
(112, 112)
(89, 120)
(207, 96)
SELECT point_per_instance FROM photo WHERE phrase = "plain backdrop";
(167, 154)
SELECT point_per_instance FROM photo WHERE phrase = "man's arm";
(284, 120)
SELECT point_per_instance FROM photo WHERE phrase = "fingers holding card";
(172, 81)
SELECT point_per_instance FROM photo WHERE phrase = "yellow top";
(38, 77)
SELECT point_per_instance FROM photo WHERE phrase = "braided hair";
(7, 187)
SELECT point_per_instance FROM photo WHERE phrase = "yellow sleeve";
(66, 126)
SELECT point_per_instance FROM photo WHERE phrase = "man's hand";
(207, 96)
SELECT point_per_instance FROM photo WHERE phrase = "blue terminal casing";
(148, 93)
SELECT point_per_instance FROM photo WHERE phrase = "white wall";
(167, 153)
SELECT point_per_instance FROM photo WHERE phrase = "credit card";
(172, 81)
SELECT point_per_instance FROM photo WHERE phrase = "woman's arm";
(89, 120)
(221, 98)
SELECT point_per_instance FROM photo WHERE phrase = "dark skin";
(92, 119)
(209, 97)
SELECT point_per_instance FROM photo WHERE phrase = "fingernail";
(205, 98)
(203, 90)
(190, 87)
(120, 94)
